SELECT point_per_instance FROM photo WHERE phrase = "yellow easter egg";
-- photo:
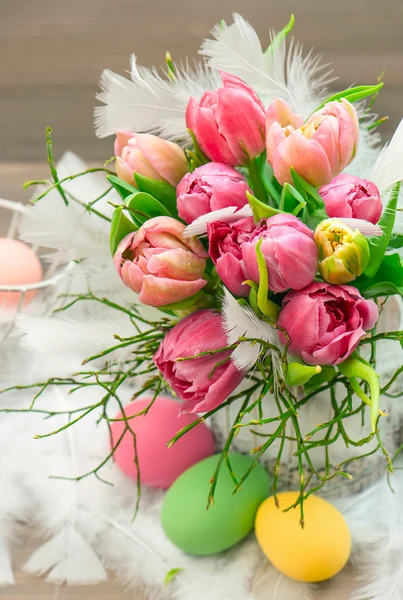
(315, 553)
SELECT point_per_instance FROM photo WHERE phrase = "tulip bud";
(149, 156)
(210, 187)
(317, 150)
(343, 252)
(228, 123)
(160, 264)
(289, 251)
(352, 197)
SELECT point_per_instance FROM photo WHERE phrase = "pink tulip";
(280, 111)
(197, 381)
(326, 322)
(159, 264)
(352, 197)
(225, 250)
(289, 250)
(317, 150)
(150, 156)
(229, 123)
(210, 187)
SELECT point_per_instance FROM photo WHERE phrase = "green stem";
(257, 184)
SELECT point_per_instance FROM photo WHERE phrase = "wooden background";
(52, 53)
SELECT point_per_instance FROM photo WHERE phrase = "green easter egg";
(196, 530)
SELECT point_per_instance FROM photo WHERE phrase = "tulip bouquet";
(268, 262)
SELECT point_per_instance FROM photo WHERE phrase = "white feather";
(229, 214)
(240, 321)
(269, 584)
(6, 569)
(72, 229)
(377, 550)
(298, 79)
(148, 102)
(69, 559)
(388, 169)
(237, 50)
(365, 227)
(73, 340)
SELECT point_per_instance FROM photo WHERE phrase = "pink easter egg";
(159, 465)
(19, 265)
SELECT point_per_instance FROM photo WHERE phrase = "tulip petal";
(122, 139)
(124, 171)
(177, 264)
(167, 232)
(213, 142)
(232, 274)
(337, 350)
(279, 111)
(306, 156)
(132, 276)
(167, 159)
(242, 123)
(159, 291)
(217, 392)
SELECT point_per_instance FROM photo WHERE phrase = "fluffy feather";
(237, 50)
(388, 169)
(52, 224)
(240, 321)
(377, 550)
(73, 340)
(69, 559)
(229, 214)
(148, 102)
(298, 79)
(281, 587)
(365, 227)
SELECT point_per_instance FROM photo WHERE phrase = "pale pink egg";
(159, 465)
(19, 265)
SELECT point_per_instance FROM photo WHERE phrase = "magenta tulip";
(289, 250)
(228, 123)
(326, 322)
(197, 381)
(318, 150)
(210, 187)
(159, 264)
(352, 197)
(225, 241)
(150, 156)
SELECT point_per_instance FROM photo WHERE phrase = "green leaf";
(270, 183)
(123, 189)
(354, 94)
(261, 210)
(170, 576)
(291, 200)
(143, 207)
(378, 245)
(388, 280)
(396, 240)
(308, 191)
(121, 226)
(160, 190)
